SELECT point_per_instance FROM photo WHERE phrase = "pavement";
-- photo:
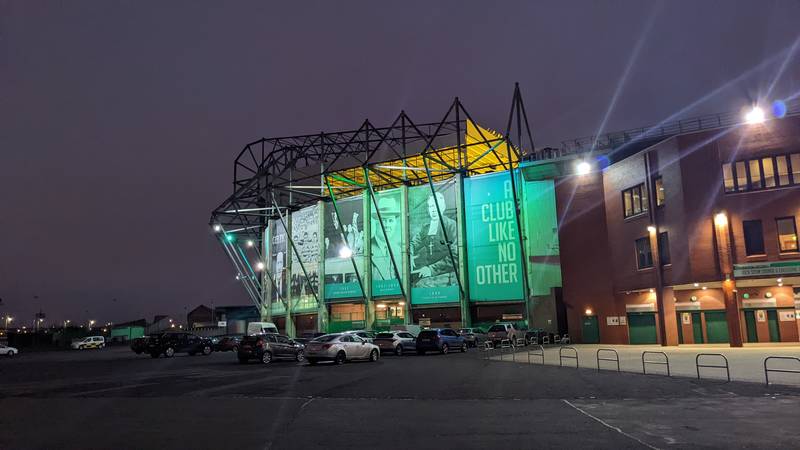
(745, 364)
(113, 398)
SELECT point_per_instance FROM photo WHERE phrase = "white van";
(89, 342)
(261, 328)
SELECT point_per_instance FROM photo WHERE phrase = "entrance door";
(679, 316)
(750, 324)
(716, 327)
(590, 330)
(697, 328)
(774, 328)
(642, 328)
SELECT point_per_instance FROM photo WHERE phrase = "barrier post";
(661, 363)
(562, 356)
(712, 366)
(768, 370)
(615, 359)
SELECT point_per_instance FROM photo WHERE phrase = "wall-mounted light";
(217, 228)
(381, 305)
(720, 219)
(651, 229)
(745, 295)
(755, 116)
(697, 285)
(259, 265)
(779, 280)
(651, 290)
(583, 167)
(768, 295)
(705, 287)
(588, 312)
(693, 298)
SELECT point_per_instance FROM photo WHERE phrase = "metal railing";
(614, 359)
(660, 363)
(537, 351)
(767, 370)
(712, 366)
(562, 356)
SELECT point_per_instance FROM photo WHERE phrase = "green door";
(680, 327)
(642, 328)
(774, 328)
(697, 328)
(750, 324)
(716, 327)
(590, 331)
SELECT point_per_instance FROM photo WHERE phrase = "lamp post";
(8, 320)
(91, 322)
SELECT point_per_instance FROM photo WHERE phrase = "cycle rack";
(488, 348)
(712, 366)
(505, 343)
(661, 363)
(767, 370)
(614, 359)
(536, 352)
(562, 356)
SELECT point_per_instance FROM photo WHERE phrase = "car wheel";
(312, 362)
(300, 356)
(10, 354)
(463, 348)
(206, 350)
(340, 358)
(373, 356)
(80, 347)
(235, 349)
(398, 351)
(266, 357)
(445, 349)
(169, 352)
(154, 355)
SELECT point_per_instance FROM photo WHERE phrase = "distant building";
(127, 331)
(200, 317)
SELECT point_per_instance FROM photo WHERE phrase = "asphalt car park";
(434, 401)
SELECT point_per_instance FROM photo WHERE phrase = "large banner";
(384, 278)
(433, 277)
(493, 256)
(305, 236)
(541, 228)
(341, 241)
(277, 264)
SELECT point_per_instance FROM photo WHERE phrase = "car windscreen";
(497, 328)
(385, 336)
(427, 333)
(326, 338)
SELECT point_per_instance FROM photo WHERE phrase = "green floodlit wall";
(493, 259)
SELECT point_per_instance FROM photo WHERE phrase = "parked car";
(89, 342)
(396, 342)
(500, 331)
(341, 347)
(254, 328)
(168, 344)
(368, 336)
(227, 343)
(139, 345)
(473, 336)
(7, 351)
(440, 340)
(269, 346)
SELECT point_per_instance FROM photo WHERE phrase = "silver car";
(339, 348)
(368, 336)
(397, 342)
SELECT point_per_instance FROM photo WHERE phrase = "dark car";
(440, 340)
(168, 344)
(139, 345)
(227, 343)
(267, 347)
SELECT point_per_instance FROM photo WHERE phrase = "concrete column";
(461, 241)
(366, 275)
(266, 283)
(290, 328)
(405, 259)
(322, 308)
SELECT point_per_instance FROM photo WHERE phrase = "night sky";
(119, 121)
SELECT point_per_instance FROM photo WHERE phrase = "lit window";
(787, 234)
(659, 188)
(783, 170)
(795, 161)
(769, 172)
(634, 200)
(727, 177)
(741, 176)
(755, 174)
(644, 257)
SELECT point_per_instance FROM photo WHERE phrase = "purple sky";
(119, 121)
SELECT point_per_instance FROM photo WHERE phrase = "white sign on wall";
(686, 318)
(787, 316)
(612, 321)
(761, 315)
(623, 320)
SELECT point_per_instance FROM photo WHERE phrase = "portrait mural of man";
(278, 247)
(343, 240)
(305, 236)
(433, 276)
(384, 278)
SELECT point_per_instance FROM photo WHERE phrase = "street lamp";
(583, 168)
(8, 320)
(91, 322)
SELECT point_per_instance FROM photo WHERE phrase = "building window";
(787, 234)
(634, 201)
(753, 237)
(659, 190)
(763, 173)
(644, 257)
(663, 249)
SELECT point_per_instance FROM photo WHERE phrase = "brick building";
(690, 239)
